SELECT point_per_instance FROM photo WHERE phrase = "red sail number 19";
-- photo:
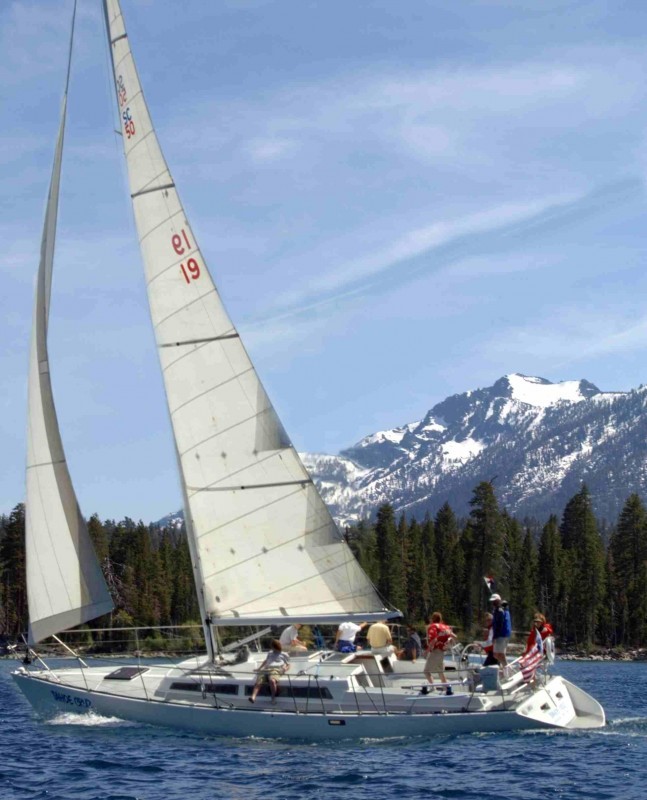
(180, 243)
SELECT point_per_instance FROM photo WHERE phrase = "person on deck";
(541, 627)
(380, 639)
(412, 648)
(501, 629)
(290, 640)
(345, 638)
(276, 664)
(487, 645)
(439, 635)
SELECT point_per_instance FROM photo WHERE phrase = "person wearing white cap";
(501, 628)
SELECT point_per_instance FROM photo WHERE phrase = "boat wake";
(626, 726)
(89, 720)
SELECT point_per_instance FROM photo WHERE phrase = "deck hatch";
(125, 673)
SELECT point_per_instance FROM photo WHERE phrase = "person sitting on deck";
(412, 647)
(345, 638)
(290, 639)
(276, 664)
(380, 639)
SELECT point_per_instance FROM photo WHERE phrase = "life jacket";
(546, 632)
(438, 635)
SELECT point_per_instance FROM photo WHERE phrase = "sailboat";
(264, 547)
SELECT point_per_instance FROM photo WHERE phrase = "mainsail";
(65, 586)
(264, 545)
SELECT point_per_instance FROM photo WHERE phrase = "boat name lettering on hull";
(67, 699)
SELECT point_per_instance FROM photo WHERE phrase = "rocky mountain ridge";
(537, 440)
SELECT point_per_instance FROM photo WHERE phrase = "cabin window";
(299, 692)
(209, 688)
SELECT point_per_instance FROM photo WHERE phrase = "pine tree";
(13, 593)
(418, 588)
(487, 533)
(450, 594)
(584, 561)
(391, 569)
(551, 598)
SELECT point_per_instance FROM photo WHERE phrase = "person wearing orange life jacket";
(439, 636)
(541, 627)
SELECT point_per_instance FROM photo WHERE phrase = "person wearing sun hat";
(501, 628)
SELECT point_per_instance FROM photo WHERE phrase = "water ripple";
(96, 758)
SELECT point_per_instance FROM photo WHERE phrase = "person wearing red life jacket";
(439, 636)
(541, 627)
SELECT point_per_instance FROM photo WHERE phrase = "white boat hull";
(549, 707)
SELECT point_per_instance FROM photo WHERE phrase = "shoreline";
(609, 654)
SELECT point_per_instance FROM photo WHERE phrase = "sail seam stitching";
(184, 307)
(151, 132)
(210, 389)
(224, 430)
(163, 222)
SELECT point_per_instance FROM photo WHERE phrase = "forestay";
(65, 586)
(265, 547)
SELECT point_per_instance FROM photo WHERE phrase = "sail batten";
(264, 543)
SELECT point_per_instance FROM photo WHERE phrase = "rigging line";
(201, 341)
(153, 189)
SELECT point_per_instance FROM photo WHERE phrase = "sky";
(398, 202)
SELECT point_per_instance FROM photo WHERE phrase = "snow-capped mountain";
(538, 440)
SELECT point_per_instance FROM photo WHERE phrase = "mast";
(265, 548)
(65, 585)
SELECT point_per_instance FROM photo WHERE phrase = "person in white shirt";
(290, 640)
(345, 638)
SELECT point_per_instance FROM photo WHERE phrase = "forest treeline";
(592, 587)
(147, 569)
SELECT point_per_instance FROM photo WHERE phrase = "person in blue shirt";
(501, 628)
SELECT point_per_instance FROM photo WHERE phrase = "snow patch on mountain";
(540, 440)
(460, 452)
(540, 393)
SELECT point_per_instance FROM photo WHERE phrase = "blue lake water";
(95, 759)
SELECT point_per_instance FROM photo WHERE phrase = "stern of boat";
(561, 704)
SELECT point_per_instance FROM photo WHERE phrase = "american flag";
(532, 659)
